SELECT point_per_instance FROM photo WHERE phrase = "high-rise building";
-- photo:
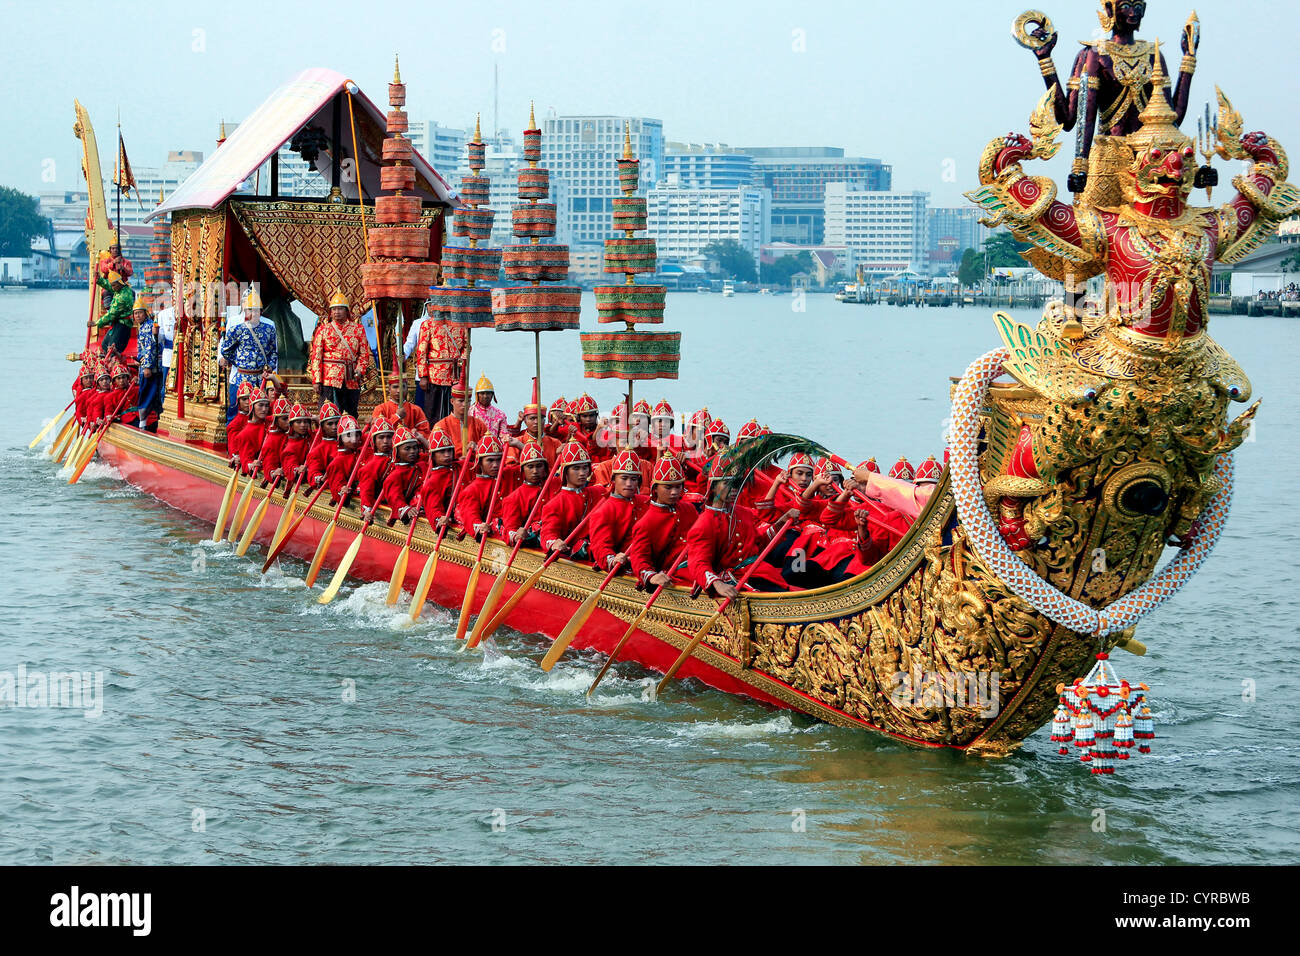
(798, 176)
(503, 160)
(952, 230)
(442, 146)
(887, 231)
(683, 220)
(708, 166)
(582, 154)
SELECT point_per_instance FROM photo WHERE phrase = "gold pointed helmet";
(141, 303)
(252, 300)
(340, 300)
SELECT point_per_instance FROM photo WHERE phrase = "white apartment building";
(683, 221)
(887, 231)
(582, 153)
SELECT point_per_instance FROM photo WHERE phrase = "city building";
(582, 154)
(683, 221)
(887, 231)
(705, 166)
(442, 146)
(798, 176)
(953, 230)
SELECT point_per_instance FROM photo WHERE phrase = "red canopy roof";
(301, 101)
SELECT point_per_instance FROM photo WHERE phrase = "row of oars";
(76, 446)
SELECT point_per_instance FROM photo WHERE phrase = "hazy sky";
(921, 85)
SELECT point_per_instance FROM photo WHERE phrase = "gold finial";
(1157, 111)
(478, 133)
(222, 134)
(161, 195)
(397, 70)
(627, 141)
(532, 121)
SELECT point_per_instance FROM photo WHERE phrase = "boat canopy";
(307, 100)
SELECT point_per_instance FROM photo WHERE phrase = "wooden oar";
(485, 612)
(61, 440)
(722, 608)
(431, 562)
(219, 528)
(636, 622)
(240, 511)
(341, 572)
(255, 522)
(467, 605)
(585, 610)
(499, 618)
(288, 535)
(399, 566)
(72, 453)
(89, 454)
(324, 544)
(46, 430)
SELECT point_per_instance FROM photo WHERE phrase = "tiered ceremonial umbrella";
(468, 305)
(397, 273)
(629, 353)
(535, 307)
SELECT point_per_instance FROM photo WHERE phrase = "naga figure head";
(1164, 158)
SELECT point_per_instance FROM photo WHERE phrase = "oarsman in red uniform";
(587, 414)
(571, 503)
(248, 443)
(339, 472)
(662, 436)
(638, 429)
(518, 505)
(401, 490)
(124, 397)
(439, 479)
(83, 387)
(318, 460)
(95, 410)
(451, 425)
(660, 532)
(793, 488)
(610, 529)
(370, 476)
(273, 443)
(726, 537)
(475, 503)
(293, 455)
(233, 427)
(557, 420)
(852, 543)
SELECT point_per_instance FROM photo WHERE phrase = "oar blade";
(46, 430)
(286, 516)
(398, 576)
(422, 588)
(467, 605)
(340, 575)
(319, 557)
(561, 643)
(254, 523)
(224, 511)
(510, 604)
(485, 612)
(241, 512)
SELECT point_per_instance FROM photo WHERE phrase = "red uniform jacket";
(370, 481)
(84, 402)
(318, 460)
(126, 411)
(248, 443)
(234, 428)
(475, 500)
(568, 506)
(292, 454)
(719, 542)
(436, 491)
(272, 448)
(787, 497)
(610, 529)
(95, 406)
(336, 475)
(597, 450)
(402, 484)
(658, 537)
(517, 506)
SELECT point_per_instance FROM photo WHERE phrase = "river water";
(243, 723)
